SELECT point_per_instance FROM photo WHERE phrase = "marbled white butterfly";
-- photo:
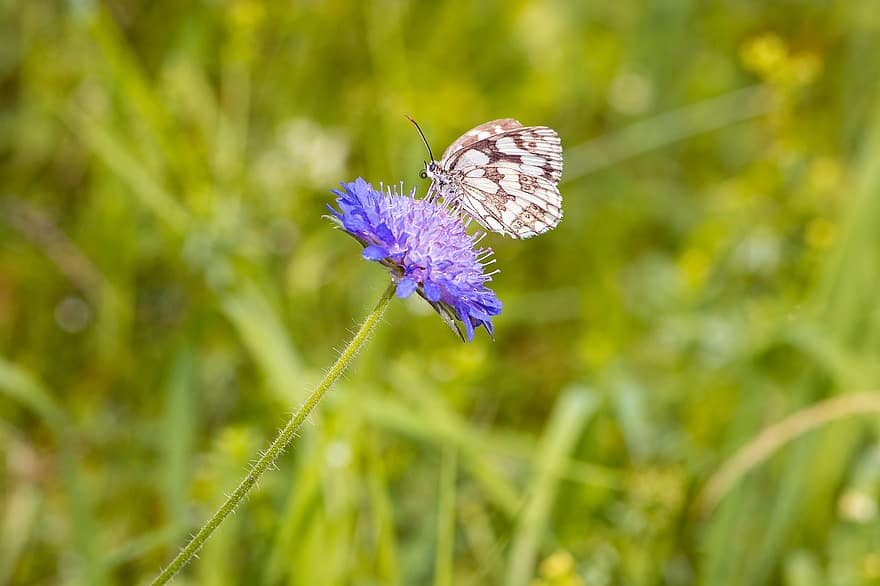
(502, 174)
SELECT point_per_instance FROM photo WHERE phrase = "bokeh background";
(169, 291)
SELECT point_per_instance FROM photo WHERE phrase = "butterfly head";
(441, 181)
(432, 171)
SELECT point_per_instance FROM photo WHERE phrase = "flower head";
(426, 249)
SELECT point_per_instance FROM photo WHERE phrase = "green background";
(169, 292)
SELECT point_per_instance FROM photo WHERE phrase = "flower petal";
(432, 291)
(374, 252)
(406, 287)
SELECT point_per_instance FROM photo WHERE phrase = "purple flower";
(427, 250)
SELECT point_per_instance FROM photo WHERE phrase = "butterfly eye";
(423, 174)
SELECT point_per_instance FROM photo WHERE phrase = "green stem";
(280, 443)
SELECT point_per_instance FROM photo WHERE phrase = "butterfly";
(502, 174)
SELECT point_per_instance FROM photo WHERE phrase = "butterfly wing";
(508, 181)
(481, 132)
(505, 200)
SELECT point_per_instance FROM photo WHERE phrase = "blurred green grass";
(169, 291)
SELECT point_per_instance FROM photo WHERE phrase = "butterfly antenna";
(422, 134)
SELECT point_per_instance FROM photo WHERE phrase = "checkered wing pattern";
(481, 132)
(506, 176)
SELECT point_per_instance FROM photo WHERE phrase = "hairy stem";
(281, 442)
